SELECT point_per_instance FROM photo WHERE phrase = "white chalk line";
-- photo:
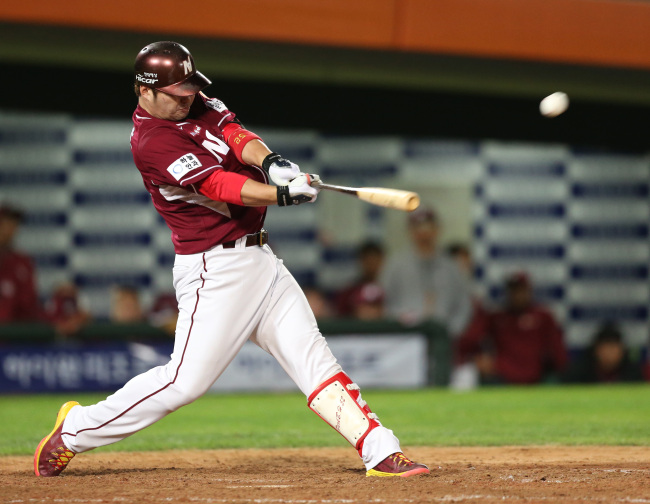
(626, 471)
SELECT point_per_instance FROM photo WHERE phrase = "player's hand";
(282, 171)
(303, 189)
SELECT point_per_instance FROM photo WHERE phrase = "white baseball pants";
(225, 297)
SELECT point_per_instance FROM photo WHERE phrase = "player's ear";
(146, 92)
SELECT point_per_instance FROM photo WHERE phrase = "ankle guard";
(338, 402)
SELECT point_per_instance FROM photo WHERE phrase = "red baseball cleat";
(52, 455)
(397, 465)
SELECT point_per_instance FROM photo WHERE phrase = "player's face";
(8, 228)
(166, 106)
(519, 297)
(424, 234)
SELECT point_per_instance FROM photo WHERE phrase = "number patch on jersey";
(184, 164)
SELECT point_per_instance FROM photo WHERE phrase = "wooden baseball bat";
(390, 198)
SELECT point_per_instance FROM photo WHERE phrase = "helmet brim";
(190, 86)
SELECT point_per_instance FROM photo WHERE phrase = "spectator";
(464, 374)
(606, 360)
(64, 310)
(125, 305)
(423, 282)
(364, 299)
(460, 253)
(18, 296)
(519, 343)
(318, 302)
(164, 313)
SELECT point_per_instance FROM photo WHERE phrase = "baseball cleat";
(52, 455)
(397, 464)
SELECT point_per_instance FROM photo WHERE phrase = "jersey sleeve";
(174, 158)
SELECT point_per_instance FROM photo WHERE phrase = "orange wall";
(599, 32)
(586, 31)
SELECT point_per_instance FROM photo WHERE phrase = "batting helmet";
(169, 67)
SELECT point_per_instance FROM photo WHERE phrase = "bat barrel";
(390, 198)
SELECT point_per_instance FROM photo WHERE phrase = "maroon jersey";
(525, 344)
(18, 297)
(361, 294)
(173, 156)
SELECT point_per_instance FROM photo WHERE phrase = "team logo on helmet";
(147, 78)
(187, 65)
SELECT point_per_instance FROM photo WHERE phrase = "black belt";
(260, 238)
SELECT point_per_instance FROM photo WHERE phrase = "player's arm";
(240, 190)
(250, 149)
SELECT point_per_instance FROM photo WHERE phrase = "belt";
(260, 238)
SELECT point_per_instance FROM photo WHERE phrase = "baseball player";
(209, 179)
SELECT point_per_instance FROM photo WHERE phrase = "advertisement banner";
(394, 361)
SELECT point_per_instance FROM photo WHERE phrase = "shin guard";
(338, 402)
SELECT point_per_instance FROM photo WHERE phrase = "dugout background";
(361, 92)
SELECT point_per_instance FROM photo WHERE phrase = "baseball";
(554, 104)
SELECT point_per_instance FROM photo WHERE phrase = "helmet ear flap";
(169, 67)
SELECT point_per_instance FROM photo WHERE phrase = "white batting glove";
(282, 171)
(303, 189)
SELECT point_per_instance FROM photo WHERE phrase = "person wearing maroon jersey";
(64, 311)
(208, 178)
(519, 343)
(364, 299)
(18, 295)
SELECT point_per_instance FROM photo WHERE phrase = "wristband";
(269, 160)
(284, 197)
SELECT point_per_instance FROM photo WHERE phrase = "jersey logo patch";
(217, 105)
(184, 164)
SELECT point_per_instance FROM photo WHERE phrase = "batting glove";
(282, 171)
(300, 190)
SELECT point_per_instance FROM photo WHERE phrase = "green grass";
(608, 415)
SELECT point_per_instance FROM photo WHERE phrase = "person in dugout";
(519, 342)
(18, 295)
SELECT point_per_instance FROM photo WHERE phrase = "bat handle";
(330, 187)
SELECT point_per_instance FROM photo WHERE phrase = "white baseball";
(554, 104)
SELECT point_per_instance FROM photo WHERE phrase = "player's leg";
(222, 296)
(289, 332)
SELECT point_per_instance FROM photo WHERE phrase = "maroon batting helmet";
(169, 67)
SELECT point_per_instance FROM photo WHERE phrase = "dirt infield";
(335, 475)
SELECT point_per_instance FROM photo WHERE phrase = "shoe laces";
(61, 457)
(401, 459)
